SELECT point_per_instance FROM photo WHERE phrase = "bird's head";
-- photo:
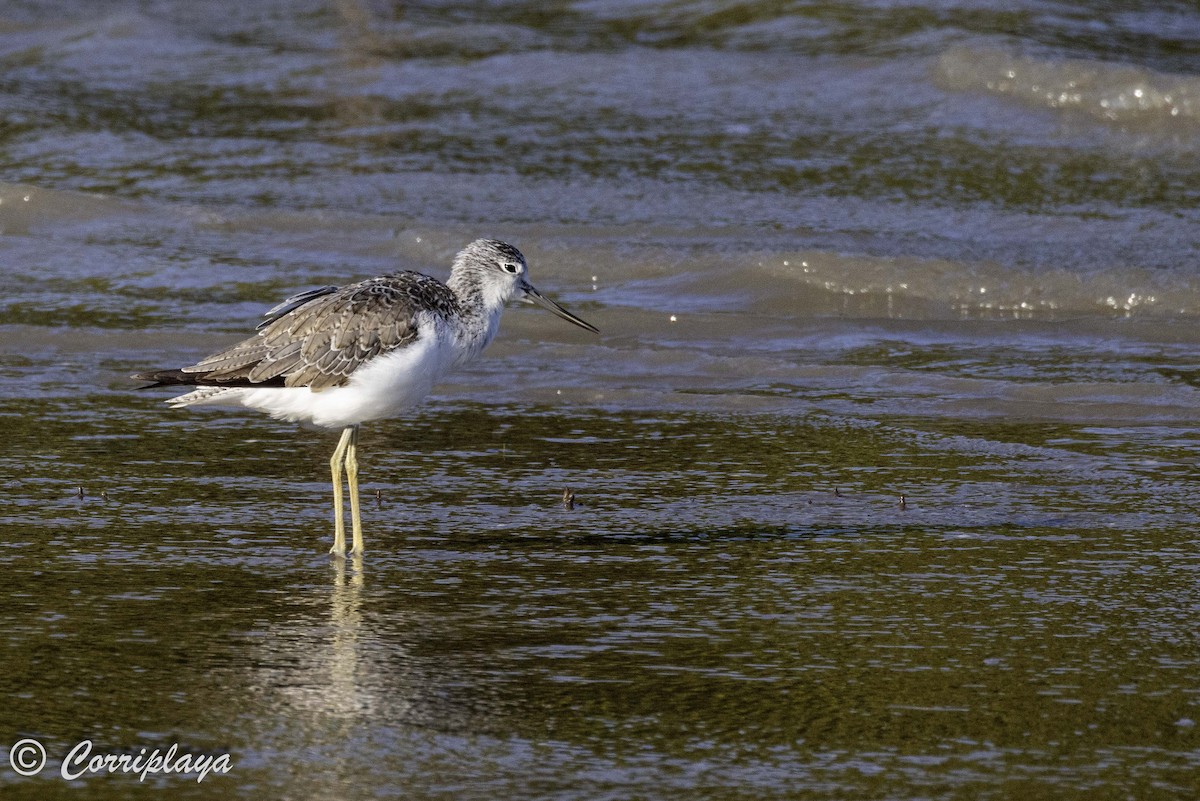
(503, 274)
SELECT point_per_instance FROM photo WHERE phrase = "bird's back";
(318, 339)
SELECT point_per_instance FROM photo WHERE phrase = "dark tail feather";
(177, 378)
(167, 378)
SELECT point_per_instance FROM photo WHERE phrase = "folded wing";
(317, 339)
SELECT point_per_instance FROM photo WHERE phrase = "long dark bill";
(533, 296)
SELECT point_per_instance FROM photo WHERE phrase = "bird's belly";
(387, 386)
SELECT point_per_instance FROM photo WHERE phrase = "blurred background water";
(886, 459)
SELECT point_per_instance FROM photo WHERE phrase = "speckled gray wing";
(317, 339)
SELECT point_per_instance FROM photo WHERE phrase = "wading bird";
(338, 357)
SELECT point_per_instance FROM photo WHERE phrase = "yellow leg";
(335, 467)
(352, 482)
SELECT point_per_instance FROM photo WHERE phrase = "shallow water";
(885, 461)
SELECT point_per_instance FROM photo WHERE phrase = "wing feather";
(319, 338)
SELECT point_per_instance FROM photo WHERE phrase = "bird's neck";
(479, 320)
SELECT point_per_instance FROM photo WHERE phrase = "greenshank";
(338, 357)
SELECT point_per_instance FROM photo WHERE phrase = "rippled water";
(885, 461)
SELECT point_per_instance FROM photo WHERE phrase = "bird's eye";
(510, 267)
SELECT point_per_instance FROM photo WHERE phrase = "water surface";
(885, 461)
